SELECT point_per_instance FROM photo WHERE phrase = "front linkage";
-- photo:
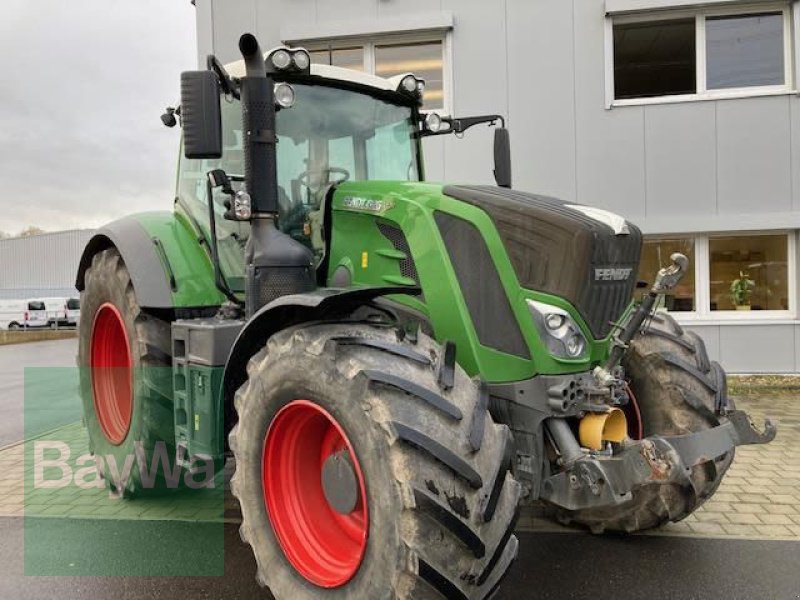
(581, 478)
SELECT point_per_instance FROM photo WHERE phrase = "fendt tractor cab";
(395, 365)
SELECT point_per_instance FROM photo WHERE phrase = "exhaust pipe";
(258, 119)
(277, 264)
(253, 56)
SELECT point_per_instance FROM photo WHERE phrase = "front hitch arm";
(595, 480)
(735, 429)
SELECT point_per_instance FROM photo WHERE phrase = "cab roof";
(236, 69)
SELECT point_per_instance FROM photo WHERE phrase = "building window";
(389, 57)
(699, 55)
(749, 273)
(654, 59)
(424, 60)
(655, 254)
(736, 276)
(347, 58)
(744, 51)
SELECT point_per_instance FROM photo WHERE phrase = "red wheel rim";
(110, 361)
(323, 545)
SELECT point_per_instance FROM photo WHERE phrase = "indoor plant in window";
(741, 289)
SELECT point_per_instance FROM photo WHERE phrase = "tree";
(31, 230)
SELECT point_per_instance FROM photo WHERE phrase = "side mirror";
(502, 157)
(201, 116)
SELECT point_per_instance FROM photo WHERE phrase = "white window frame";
(702, 314)
(791, 26)
(370, 43)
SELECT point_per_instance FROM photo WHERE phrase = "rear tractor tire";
(677, 388)
(368, 466)
(124, 355)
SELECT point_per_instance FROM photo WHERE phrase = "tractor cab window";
(328, 137)
(192, 196)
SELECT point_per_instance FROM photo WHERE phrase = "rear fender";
(168, 266)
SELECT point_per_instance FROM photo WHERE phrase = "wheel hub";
(315, 494)
(340, 483)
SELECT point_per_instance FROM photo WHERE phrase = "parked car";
(21, 314)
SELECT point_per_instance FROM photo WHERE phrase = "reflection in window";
(655, 58)
(655, 255)
(347, 58)
(759, 258)
(744, 51)
(424, 60)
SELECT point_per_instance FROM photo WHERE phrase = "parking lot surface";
(14, 358)
(743, 543)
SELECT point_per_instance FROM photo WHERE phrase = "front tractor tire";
(677, 389)
(126, 386)
(368, 466)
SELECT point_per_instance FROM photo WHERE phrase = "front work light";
(284, 95)
(242, 207)
(433, 122)
(558, 330)
(409, 84)
(301, 59)
(281, 59)
(288, 59)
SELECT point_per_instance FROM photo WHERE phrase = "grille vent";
(398, 240)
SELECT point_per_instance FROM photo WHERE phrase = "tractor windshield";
(330, 135)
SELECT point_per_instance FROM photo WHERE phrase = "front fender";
(321, 304)
(168, 266)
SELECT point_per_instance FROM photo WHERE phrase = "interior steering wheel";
(305, 177)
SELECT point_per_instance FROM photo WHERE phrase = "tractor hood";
(586, 255)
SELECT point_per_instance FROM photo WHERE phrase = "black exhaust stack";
(258, 118)
(277, 265)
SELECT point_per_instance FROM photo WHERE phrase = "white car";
(73, 311)
(22, 314)
(56, 311)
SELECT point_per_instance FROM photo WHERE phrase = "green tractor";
(395, 366)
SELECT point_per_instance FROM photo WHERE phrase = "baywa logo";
(612, 274)
(84, 471)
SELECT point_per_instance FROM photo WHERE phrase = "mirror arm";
(461, 124)
(226, 82)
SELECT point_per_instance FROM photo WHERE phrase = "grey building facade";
(41, 266)
(682, 116)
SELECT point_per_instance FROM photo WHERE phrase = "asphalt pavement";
(550, 566)
(54, 366)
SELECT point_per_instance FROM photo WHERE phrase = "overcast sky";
(82, 87)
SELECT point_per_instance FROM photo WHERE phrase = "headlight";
(554, 321)
(281, 59)
(558, 330)
(284, 95)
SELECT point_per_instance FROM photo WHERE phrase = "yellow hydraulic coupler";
(597, 428)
